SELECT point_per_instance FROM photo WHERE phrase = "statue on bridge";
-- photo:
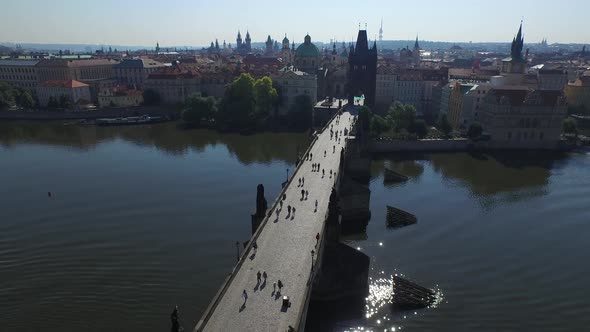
(174, 320)
(261, 204)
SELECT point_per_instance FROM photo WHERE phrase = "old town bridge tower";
(362, 70)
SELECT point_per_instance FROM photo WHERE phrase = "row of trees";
(400, 119)
(248, 104)
(62, 102)
(10, 96)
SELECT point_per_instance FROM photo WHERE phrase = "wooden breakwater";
(393, 176)
(399, 218)
(409, 295)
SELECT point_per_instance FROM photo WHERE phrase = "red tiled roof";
(63, 84)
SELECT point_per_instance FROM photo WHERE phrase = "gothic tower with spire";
(239, 41)
(269, 45)
(362, 70)
(248, 40)
(516, 63)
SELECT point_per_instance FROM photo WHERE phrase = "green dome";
(307, 49)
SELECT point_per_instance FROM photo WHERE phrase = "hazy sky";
(198, 22)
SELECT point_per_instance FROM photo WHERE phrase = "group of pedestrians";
(259, 277)
(315, 167)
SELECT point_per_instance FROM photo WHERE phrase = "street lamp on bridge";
(312, 254)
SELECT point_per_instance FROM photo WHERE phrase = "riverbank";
(45, 115)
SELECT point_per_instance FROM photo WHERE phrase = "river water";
(143, 218)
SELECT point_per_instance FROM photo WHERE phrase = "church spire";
(416, 45)
(517, 44)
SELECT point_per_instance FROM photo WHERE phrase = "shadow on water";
(166, 137)
(490, 177)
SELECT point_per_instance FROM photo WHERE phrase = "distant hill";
(5, 50)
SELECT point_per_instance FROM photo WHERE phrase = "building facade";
(578, 94)
(119, 97)
(293, 83)
(75, 91)
(174, 84)
(134, 72)
(19, 73)
(523, 118)
(78, 70)
(386, 81)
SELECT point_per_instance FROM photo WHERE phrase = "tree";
(151, 97)
(25, 99)
(197, 109)
(65, 102)
(300, 113)
(6, 99)
(402, 116)
(570, 126)
(238, 104)
(6, 95)
(419, 128)
(52, 103)
(265, 96)
(444, 125)
(378, 125)
(475, 130)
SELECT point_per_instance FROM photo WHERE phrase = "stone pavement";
(284, 249)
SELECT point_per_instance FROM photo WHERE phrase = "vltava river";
(143, 218)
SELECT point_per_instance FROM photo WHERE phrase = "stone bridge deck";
(284, 251)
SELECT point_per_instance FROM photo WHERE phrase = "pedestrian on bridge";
(258, 275)
(299, 185)
(245, 296)
(288, 210)
(310, 156)
(316, 204)
(302, 181)
(324, 153)
(306, 194)
(333, 148)
(264, 275)
(323, 173)
(317, 239)
(293, 216)
(280, 284)
(302, 194)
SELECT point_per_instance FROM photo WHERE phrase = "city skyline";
(183, 22)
